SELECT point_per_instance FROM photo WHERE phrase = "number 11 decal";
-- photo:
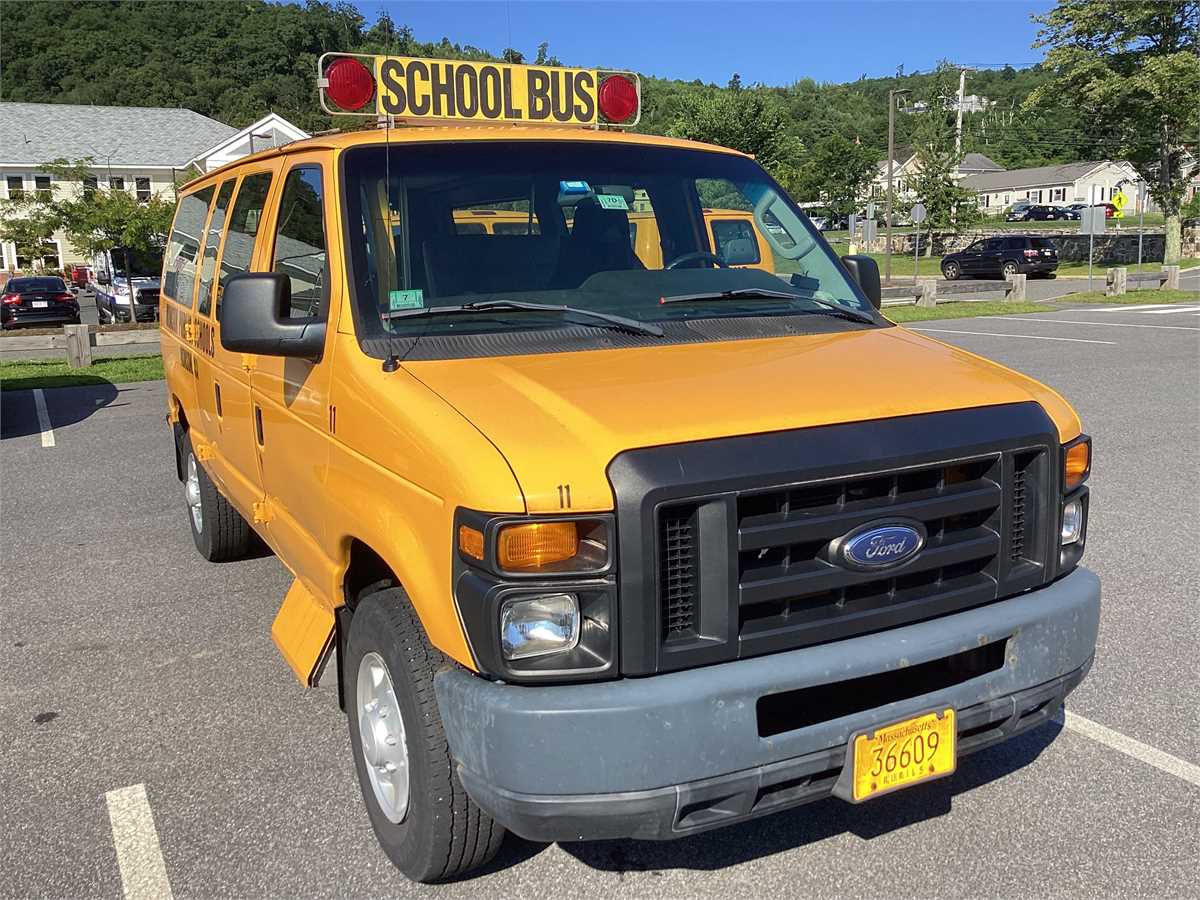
(564, 496)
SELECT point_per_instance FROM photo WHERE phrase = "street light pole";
(892, 95)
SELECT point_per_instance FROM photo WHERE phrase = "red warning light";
(350, 83)
(618, 99)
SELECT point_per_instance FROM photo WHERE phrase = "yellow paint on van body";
(352, 453)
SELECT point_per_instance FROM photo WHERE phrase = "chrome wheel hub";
(381, 734)
(191, 489)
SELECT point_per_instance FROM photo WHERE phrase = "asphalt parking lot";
(129, 663)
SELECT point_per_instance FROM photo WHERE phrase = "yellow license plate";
(903, 754)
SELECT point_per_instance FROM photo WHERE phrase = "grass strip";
(22, 375)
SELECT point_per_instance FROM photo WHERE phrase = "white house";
(906, 166)
(144, 150)
(1085, 182)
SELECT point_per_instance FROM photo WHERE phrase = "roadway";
(132, 664)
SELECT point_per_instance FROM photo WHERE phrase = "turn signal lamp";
(350, 84)
(618, 99)
(1076, 463)
(535, 545)
(470, 541)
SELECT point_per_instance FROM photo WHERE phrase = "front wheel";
(218, 529)
(1009, 269)
(951, 271)
(424, 820)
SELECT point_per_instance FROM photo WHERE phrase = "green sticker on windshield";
(414, 299)
(612, 201)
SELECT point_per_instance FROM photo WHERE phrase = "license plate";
(40, 304)
(903, 754)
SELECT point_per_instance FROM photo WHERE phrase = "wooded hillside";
(235, 61)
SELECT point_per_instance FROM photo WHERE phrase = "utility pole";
(962, 85)
(892, 95)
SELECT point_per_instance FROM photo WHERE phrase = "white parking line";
(1139, 307)
(1177, 309)
(1041, 317)
(1162, 761)
(1028, 337)
(43, 414)
(139, 857)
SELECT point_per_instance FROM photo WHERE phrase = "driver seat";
(599, 242)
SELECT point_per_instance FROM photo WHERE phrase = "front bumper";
(674, 754)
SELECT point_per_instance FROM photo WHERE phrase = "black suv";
(1003, 256)
(1034, 212)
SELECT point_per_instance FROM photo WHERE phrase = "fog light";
(535, 626)
(1072, 522)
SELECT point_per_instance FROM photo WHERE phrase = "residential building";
(143, 150)
(1086, 182)
(906, 167)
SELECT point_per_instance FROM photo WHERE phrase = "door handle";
(258, 425)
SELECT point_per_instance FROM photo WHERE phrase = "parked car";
(38, 300)
(1003, 256)
(1110, 209)
(1069, 213)
(112, 300)
(1034, 212)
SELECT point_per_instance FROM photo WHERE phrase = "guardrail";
(76, 342)
(927, 292)
(1117, 279)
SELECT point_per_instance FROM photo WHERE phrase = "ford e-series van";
(591, 546)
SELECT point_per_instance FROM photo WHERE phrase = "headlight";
(536, 626)
(551, 547)
(1072, 521)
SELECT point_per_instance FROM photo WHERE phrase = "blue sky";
(775, 43)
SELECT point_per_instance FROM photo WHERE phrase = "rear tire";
(431, 830)
(218, 529)
(1008, 269)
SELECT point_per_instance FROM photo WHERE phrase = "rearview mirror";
(865, 271)
(254, 319)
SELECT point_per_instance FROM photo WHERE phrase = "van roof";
(456, 134)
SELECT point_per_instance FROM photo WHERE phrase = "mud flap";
(303, 631)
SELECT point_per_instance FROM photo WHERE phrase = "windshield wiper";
(620, 323)
(767, 294)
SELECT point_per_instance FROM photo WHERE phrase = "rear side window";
(1041, 243)
(1015, 243)
(212, 243)
(300, 240)
(184, 246)
(243, 229)
(735, 242)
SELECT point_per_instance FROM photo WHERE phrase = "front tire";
(218, 529)
(951, 271)
(424, 820)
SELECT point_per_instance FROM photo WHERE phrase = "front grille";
(728, 546)
(678, 572)
(148, 296)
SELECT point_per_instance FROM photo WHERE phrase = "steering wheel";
(696, 256)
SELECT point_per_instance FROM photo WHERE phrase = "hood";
(560, 418)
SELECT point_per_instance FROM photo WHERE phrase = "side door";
(177, 296)
(968, 258)
(223, 382)
(987, 260)
(291, 396)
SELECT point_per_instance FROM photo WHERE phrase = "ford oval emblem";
(880, 546)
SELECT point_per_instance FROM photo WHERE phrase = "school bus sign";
(417, 90)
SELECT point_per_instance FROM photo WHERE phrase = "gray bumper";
(672, 754)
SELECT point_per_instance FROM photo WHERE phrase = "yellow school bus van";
(594, 540)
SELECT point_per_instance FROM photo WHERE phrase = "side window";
(243, 229)
(1014, 243)
(735, 241)
(992, 245)
(212, 242)
(300, 240)
(184, 246)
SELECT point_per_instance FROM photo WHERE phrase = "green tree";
(28, 222)
(748, 119)
(934, 180)
(837, 172)
(1133, 69)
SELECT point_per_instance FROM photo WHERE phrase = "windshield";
(144, 263)
(600, 227)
